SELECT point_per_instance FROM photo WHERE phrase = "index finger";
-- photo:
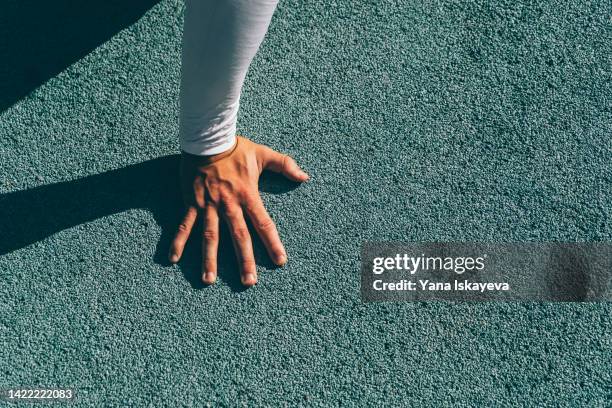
(266, 229)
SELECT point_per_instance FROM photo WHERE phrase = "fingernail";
(305, 176)
(249, 280)
(174, 258)
(209, 278)
(281, 259)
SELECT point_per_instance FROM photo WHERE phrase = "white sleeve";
(220, 39)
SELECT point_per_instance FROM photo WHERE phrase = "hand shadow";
(29, 216)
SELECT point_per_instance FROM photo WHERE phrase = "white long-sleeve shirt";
(220, 39)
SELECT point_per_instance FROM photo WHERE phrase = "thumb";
(282, 163)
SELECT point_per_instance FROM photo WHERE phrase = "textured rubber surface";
(418, 121)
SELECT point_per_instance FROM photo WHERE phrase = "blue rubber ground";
(418, 121)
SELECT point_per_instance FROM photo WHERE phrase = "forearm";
(220, 39)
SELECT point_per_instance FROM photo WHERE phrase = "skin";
(225, 186)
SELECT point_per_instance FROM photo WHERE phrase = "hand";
(227, 184)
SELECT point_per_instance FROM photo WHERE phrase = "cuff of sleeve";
(209, 159)
(203, 150)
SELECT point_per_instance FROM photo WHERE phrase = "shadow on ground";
(39, 39)
(29, 216)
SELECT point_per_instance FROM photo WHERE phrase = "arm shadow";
(29, 216)
(40, 39)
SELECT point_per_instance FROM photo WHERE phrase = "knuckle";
(183, 227)
(210, 235)
(212, 184)
(266, 225)
(232, 211)
(227, 193)
(249, 197)
(284, 162)
(240, 233)
(288, 162)
(252, 209)
(200, 202)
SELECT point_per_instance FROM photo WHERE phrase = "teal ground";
(418, 121)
